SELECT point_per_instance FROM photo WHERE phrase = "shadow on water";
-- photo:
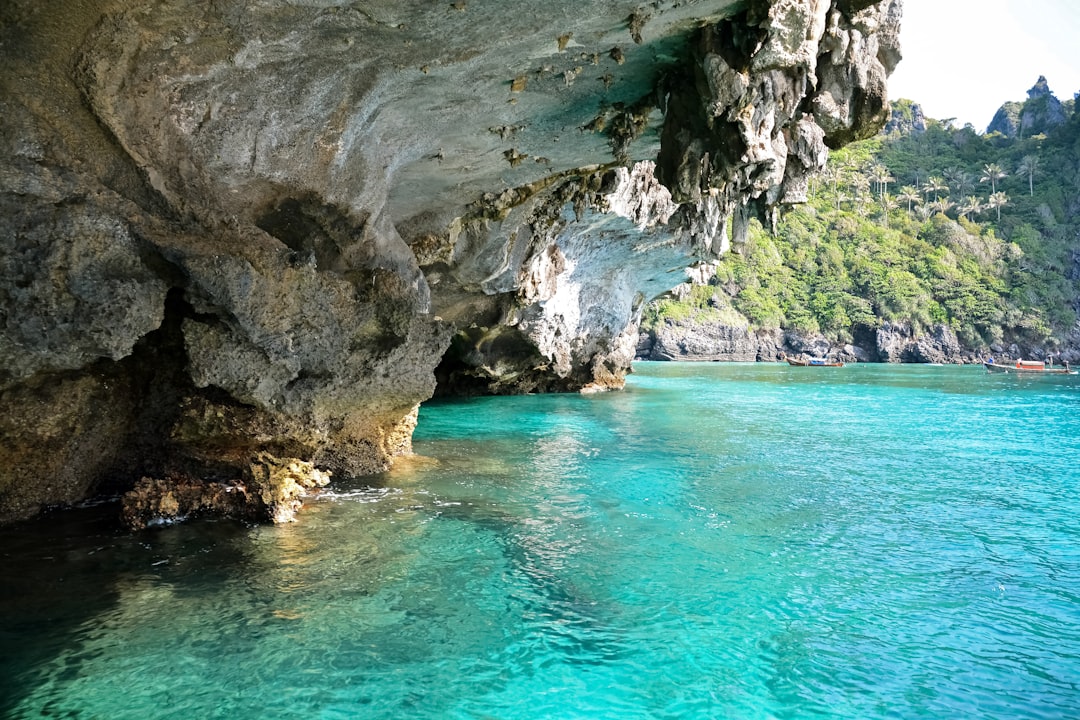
(56, 574)
(60, 572)
(537, 546)
(66, 579)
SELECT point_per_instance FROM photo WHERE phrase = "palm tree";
(942, 206)
(992, 172)
(963, 183)
(951, 176)
(910, 195)
(888, 204)
(970, 207)
(837, 175)
(919, 172)
(831, 176)
(880, 174)
(861, 185)
(934, 184)
(997, 201)
(1028, 166)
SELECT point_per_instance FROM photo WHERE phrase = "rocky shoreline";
(694, 341)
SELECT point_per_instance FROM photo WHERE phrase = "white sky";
(964, 58)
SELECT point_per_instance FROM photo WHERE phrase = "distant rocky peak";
(1041, 112)
(1040, 88)
(1007, 119)
(907, 118)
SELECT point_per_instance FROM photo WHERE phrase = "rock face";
(907, 118)
(897, 342)
(586, 258)
(892, 343)
(1007, 119)
(1041, 112)
(248, 231)
(270, 490)
(705, 341)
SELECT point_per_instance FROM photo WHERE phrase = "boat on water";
(814, 362)
(1029, 367)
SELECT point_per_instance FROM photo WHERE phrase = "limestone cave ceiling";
(296, 208)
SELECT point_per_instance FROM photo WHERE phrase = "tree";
(861, 185)
(942, 206)
(888, 204)
(963, 183)
(970, 206)
(919, 172)
(992, 172)
(828, 176)
(833, 175)
(880, 174)
(997, 201)
(1028, 166)
(959, 181)
(841, 197)
(910, 195)
(934, 184)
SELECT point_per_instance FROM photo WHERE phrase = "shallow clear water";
(717, 541)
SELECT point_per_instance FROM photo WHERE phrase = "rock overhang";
(335, 188)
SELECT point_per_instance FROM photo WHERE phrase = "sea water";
(716, 541)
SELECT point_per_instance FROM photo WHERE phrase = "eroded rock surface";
(710, 341)
(898, 342)
(271, 490)
(718, 340)
(255, 230)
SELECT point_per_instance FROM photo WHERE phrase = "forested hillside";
(928, 227)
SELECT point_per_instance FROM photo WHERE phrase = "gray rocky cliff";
(722, 341)
(1006, 120)
(907, 118)
(238, 234)
(1040, 113)
(707, 341)
(898, 342)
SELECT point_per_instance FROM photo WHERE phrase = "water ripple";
(717, 541)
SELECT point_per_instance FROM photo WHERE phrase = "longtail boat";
(1028, 367)
(814, 362)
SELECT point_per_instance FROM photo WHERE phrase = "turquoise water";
(717, 541)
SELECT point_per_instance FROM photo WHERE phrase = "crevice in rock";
(497, 360)
(737, 38)
(318, 233)
(865, 336)
(96, 430)
(158, 371)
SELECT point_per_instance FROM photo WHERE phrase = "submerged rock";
(272, 490)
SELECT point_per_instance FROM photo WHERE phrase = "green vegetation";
(946, 226)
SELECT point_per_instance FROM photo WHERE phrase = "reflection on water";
(717, 541)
